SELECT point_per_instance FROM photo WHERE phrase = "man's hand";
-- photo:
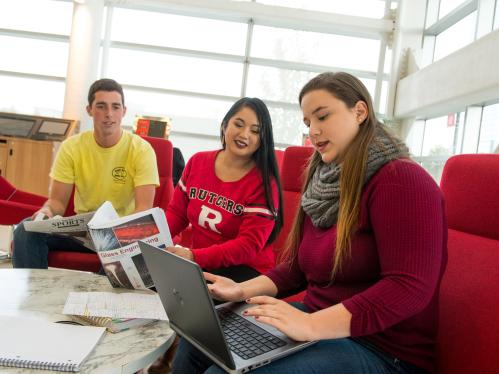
(45, 210)
(182, 252)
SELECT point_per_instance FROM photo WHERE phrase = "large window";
(446, 6)
(175, 31)
(31, 96)
(433, 141)
(455, 37)
(157, 70)
(362, 8)
(191, 63)
(454, 26)
(489, 132)
(47, 16)
(188, 66)
(316, 48)
(34, 55)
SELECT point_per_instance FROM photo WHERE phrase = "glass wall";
(202, 60)
(192, 63)
(476, 128)
(433, 141)
(34, 55)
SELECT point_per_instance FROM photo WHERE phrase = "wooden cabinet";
(26, 163)
(3, 157)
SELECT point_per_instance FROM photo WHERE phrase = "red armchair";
(164, 192)
(468, 340)
(16, 205)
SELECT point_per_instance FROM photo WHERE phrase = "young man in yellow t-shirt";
(106, 163)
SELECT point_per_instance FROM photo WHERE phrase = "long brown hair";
(350, 90)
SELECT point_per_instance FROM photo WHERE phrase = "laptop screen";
(183, 292)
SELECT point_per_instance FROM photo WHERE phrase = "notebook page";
(36, 340)
(115, 305)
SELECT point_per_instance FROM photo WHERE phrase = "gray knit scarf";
(321, 199)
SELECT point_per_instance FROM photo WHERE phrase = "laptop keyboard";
(246, 339)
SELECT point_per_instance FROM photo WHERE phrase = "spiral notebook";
(39, 344)
(113, 324)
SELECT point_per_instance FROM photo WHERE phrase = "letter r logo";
(211, 217)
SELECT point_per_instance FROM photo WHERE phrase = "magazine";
(74, 227)
(115, 241)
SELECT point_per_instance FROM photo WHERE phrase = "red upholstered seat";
(279, 156)
(16, 205)
(89, 261)
(293, 174)
(468, 339)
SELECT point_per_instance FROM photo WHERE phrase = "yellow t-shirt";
(101, 174)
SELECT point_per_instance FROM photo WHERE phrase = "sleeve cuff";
(200, 257)
(353, 308)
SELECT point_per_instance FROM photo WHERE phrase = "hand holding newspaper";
(114, 238)
(74, 227)
(115, 241)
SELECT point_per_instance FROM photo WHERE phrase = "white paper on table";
(115, 305)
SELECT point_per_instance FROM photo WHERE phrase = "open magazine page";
(74, 227)
(118, 250)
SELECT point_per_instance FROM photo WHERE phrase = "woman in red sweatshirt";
(231, 197)
(369, 246)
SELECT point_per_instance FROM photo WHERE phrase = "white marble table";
(42, 294)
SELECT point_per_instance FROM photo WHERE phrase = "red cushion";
(279, 155)
(164, 157)
(74, 260)
(294, 166)
(470, 184)
(293, 173)
(12, 212)
(16, 205)
(468, 339)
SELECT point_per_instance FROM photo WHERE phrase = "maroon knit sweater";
(399, 253)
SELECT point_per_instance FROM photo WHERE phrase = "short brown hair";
(105, 84)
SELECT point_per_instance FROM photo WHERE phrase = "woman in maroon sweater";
(369, 245)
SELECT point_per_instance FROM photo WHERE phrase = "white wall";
(466, 77)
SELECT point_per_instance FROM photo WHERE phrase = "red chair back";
(279, 156)
(468, 340)
(164, 157)
(293, 173)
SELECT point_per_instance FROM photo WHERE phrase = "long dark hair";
(264, 156)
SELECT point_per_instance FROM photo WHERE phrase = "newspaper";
(115, 305)
(74, 227)
(115, 241)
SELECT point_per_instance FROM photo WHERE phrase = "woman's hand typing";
(283, 316)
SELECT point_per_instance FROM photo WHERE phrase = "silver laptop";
(236, 343)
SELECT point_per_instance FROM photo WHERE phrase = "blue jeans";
(30, 249)
(342, 356)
